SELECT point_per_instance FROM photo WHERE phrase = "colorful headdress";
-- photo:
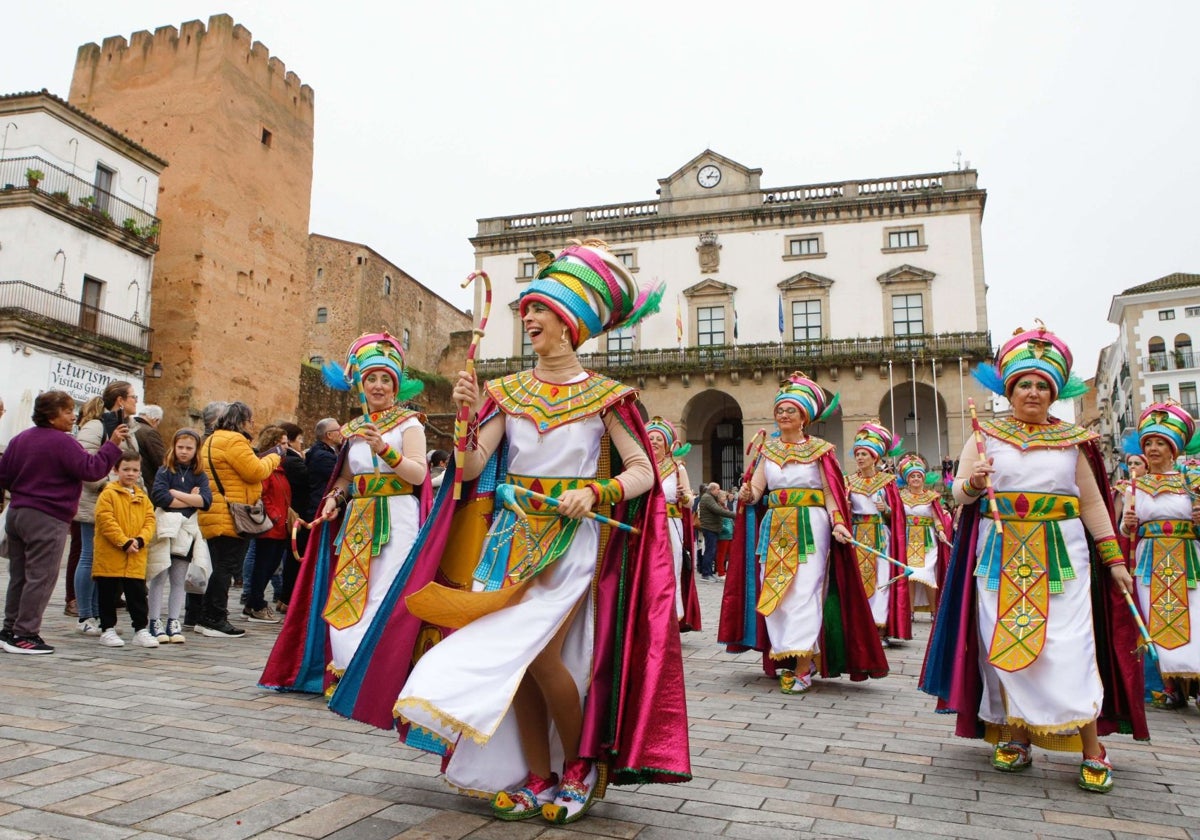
(1171, 421)
(806, 395)
(1032, 351)
(371, 352)
(876, 439)
(590, 289)
(664, 428)
(911, 463)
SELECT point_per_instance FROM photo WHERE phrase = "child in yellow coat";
(124, 527)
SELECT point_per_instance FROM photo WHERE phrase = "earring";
(563, 344)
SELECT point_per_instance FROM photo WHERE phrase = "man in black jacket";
(322, 459)
(711, 512)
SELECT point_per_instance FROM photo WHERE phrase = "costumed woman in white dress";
(926, 524)
(520, 691)
(677, 490)
(1160, 517)
(380, 485)
(874, 504)
(1033, 640)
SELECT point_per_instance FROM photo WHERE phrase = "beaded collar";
(666, 467)
(1057, 434)
(804, 452)
(552, 404)
(924, 497)
(1155, 484)
(385, 420)
(855, 483)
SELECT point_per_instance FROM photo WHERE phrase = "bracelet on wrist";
(390, 456)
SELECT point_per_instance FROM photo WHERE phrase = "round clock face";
(708, 176)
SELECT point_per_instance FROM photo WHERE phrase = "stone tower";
(230, 279)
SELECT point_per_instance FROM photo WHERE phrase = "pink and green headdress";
(806, 395)
(372, 352)
(667, 430)
(876, 439)
(1032, 351)
(590, 289)
(911, 463)
(1170, 421)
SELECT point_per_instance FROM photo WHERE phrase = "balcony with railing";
(77, 200)
(1169, 360)
(776, 356)
(68, 321)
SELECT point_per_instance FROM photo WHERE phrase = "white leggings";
(178, 574)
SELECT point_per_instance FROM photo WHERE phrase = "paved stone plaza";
(105, 744)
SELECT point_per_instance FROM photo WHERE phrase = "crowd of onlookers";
(147, 525)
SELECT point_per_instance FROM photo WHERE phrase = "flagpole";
(916, 417)
(937, 419)
(962, 402)
(892, 396)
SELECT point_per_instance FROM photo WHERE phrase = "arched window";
(322, 314)
(1183, 351)
(387, 284)
(1158, 354)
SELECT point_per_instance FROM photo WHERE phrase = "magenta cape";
(301, 653)
(635, 713)
(849, 641)
(687, 578)
(951, 671)
(899, 621)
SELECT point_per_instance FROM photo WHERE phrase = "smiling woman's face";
(544, 328)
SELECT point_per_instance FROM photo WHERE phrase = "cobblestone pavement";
(105, 744)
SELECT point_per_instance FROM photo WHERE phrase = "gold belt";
(1035, 507)
(370, 484)
(796, 497)
(553, 486)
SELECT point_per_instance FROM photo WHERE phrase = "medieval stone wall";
(230, 290)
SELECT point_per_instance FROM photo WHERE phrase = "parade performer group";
(780, 604)
(1159, 517)
(1033, 643)
(668, 457)
(874, 502)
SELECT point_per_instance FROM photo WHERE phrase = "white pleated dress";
(795, 625)
(464, 685)
(1182, 661)
(863, 505)
(670, 486)
(405, 521)
(1061, 690)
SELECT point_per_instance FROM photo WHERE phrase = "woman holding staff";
(1160, 516)
(672, 474)
(535, 701)
(874, 503)
(802, 556)
(368, 521)
(1032, 642)
(926, 525)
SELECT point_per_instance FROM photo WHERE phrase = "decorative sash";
(366, 528)
(868, 530)
(1169, 565)
(521, 545)
(918, 536)
(785, 540)
(1025, 563)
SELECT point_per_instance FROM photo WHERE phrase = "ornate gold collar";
(922, 498)
(804, 452)
(551, 404)
(1057, 434)
(385, 420)
(855, 483)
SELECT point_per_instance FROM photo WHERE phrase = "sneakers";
(159, 631)
(89, 627)
(7, 636)
(581, 783)
(174, 632)
(262, 616)
(109, 638)
(526, 801)
(1012, 756)
(32, 645)
(142, 638)
(222, 631)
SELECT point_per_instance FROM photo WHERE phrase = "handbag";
(248, 520)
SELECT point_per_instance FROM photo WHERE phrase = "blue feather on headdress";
(989, 377)
(1131, 443)
(334, 376)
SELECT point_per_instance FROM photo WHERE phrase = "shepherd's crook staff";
(464, 411)
(979, 446)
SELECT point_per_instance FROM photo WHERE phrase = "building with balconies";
(874, 287)
(78, 235)
(1153, 357)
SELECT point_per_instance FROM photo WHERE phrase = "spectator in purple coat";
(43, 471)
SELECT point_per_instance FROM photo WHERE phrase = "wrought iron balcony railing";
(59, 313)
(785, 356)
(79, 195)
(1170, 360)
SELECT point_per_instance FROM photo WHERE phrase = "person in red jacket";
(269, 547)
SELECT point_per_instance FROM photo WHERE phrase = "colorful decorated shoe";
(1167, 700)
(1095, 774)
(1012, 757)
(526, 801)
(582, 783)
(787, 681)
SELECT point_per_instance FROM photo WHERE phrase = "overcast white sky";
(1082, 118)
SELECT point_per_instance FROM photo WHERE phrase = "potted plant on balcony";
(87, 202)
(34, 176)
(131, 225)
